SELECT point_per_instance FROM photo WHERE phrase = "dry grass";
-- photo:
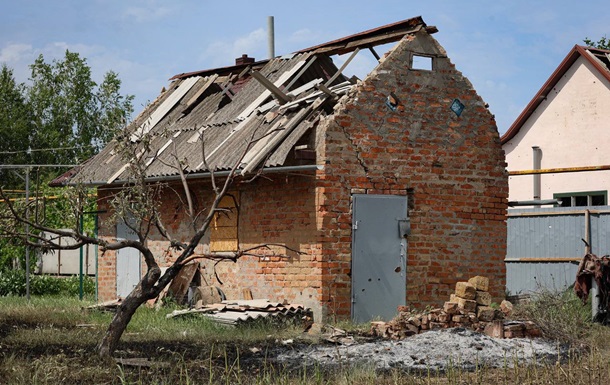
(42, 343)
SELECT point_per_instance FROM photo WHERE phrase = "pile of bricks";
(469, 307)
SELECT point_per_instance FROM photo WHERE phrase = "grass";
(52, 340)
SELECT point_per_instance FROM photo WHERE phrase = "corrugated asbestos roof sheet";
(246, 312)
(213, 120)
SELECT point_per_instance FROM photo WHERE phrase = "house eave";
(207, 175)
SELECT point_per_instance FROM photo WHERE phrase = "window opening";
(582, 199)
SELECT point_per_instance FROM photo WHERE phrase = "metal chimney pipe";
(537, 154)
(271, 37)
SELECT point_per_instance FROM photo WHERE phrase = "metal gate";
(379, 250)
(127, 262)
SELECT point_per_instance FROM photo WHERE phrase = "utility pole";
(27, 233)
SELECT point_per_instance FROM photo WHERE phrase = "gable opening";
(422, 62)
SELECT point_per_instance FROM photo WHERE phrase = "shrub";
(13, 282)
(560, 315)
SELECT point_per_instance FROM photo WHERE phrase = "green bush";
(45, 284)
(12, 282)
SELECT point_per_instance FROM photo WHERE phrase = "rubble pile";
(469, 307)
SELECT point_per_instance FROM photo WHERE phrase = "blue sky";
(506, 48)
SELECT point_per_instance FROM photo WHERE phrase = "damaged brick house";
(393, 187)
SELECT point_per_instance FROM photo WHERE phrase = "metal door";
(127, 262)
(379, 250)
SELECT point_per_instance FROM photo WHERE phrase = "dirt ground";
(75, 361)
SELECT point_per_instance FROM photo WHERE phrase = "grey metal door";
(127, 263)
(379, 250)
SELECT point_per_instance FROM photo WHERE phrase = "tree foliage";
(71, 111)
(603, 43)
(15, 125)
(61, 117)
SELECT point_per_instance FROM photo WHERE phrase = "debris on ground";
(469, 307)
(436, 351)
(142, 362)
(109, 306)
(244, 312)
(336, 336)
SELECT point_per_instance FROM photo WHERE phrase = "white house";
(559, 147)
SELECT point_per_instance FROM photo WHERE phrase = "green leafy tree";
(603, 43)
(15, 126)
(71, 112)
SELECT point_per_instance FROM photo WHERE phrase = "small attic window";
(420, 62)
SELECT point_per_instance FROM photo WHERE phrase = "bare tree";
(136, 205)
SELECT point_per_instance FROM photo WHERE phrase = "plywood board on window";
(223, 245)
(227, 232)
(224, 232)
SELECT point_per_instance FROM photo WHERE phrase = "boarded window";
(223, 233)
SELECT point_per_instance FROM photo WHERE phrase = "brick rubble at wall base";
(467, 308)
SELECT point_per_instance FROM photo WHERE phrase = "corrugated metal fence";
(545, 245)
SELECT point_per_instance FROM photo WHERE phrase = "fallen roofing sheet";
(246, 312)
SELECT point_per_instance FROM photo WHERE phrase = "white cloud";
(142, 80)
(145, 14)
(361, 65)
(14, 53)
(57, 50)
(222, 53)
(18, 57)
(306, 36)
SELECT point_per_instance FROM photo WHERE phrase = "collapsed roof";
(252, 114)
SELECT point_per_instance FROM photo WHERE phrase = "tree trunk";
(140, 294)
(121, 319)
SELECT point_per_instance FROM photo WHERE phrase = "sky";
(507, 49)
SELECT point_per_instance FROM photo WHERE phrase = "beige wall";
(572, 128)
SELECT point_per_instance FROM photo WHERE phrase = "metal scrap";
(595, 269)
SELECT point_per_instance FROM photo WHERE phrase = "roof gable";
(599, 59)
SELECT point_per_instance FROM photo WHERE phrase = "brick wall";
(106, 262)
(451, 167)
